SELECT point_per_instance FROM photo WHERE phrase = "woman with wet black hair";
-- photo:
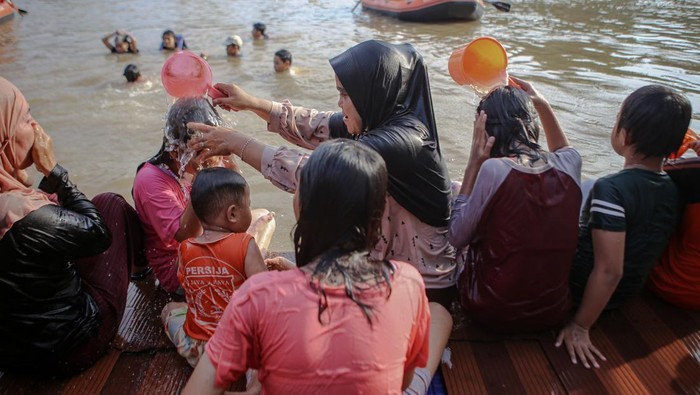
(517, 212)
(161, 189)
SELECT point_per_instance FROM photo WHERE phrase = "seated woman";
(342, 323)
(384, 95)
(517, 212)
(65, 260)
(161, 191)
(676, 276)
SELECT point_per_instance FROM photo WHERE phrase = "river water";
(585, 56)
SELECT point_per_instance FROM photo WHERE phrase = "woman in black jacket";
(65, 260)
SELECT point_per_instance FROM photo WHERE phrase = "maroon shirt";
(521, 225)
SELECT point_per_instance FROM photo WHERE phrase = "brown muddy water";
(584, 55)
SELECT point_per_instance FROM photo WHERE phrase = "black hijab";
(388, 85)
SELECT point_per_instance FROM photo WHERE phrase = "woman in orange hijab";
(65, 260)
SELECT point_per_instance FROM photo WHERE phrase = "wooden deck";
(652, 348)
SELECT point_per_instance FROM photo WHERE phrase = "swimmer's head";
(132, 73)
(233, 45)
(259, 30)
(121, 45)
(169, 39)
(282, 60)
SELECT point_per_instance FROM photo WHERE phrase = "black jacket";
(44, 313)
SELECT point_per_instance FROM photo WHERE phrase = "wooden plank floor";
(652, 348)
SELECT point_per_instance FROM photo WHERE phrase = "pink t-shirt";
(271, 324)
(160, 200)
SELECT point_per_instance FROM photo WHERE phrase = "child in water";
(282, 61)
(629, 216)
(216, 263)
(233, 45)
(258, 31)
(172, 41)
(132, 73)
(124, 42)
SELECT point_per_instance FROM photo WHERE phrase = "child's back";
(629, 215)
(210, 271)
(214, 264)
(641, 203)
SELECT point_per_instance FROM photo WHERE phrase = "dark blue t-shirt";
(641, 203)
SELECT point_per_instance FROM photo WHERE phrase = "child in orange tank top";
(217, 262)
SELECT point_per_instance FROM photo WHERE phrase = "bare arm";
(254, 262)
(237, 99)
(202, 380)
(189, 224)
(217, 140)
(556, 139)
(134, 44)
(609, 252)
(105, 40)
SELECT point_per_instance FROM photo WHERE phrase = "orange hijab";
(16, 199)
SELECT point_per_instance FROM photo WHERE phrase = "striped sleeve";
(607, 208)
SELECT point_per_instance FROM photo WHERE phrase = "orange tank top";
(676, 276)
(210, 273)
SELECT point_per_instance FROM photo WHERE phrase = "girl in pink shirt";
(344, 322)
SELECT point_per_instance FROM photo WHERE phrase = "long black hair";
(342, 193)
(512, 120)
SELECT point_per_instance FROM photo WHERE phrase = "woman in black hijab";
(384, 94)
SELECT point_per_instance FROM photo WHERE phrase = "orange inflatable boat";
(427, 10)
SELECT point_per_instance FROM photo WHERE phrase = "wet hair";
(131, 72)
(259, 26)
(176, 133)
(123, 39)
(656, 118)
(214, 190)
(284, 55)
(169, 33)
(512, 120)
(342, 192)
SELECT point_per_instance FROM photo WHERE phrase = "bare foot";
(262, 228)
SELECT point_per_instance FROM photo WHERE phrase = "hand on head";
(42, 150)
(209, 141)
(529, 89)
(481, 141)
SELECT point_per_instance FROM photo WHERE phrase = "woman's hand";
(579, 345)
(279, 263)
(42, 151)
(527, 87)
(481, 141)
(235, 98)
(211, 141)
(480, 151)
